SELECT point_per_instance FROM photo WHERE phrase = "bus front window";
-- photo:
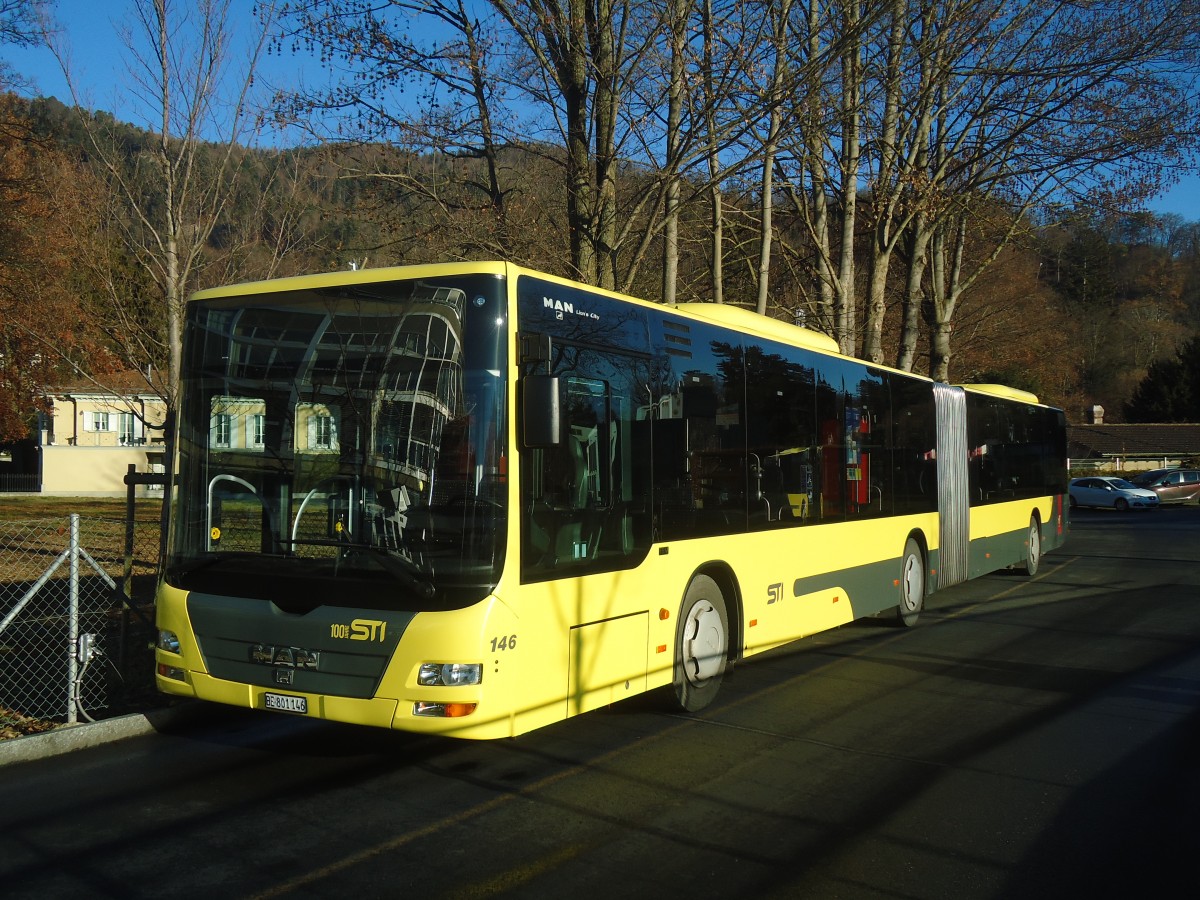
(344, 447)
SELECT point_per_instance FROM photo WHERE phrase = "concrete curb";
(92, 734)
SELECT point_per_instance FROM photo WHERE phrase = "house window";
(258, 426)
(100, 421)
(127, 436)
(317, 426)
(322, 432)
(222, 429)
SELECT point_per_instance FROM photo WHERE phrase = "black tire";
(1074, 503)
(912, 585)
(1033, 548)
(1122, 505)
(701, 644)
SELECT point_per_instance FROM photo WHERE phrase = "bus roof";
(340, 277)
(741, 319)
(1003, 390)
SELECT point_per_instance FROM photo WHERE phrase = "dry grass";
(20, 507)
(33, 532)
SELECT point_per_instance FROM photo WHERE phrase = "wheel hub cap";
(704, 648)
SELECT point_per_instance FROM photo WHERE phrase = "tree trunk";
(573, 75)
(774, 98)
(675, 93)
(914, 292)
(847, 319)
(604, 116)
(716, 213)
(886, 188)
(946, 268)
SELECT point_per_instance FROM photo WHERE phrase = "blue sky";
(97, 50)
(92, 27)
(1182, 200)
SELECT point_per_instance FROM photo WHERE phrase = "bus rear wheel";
(701, 644)
(1033, 548)
(912, 584)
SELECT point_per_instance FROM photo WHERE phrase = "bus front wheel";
(701, 644)
(912, 584)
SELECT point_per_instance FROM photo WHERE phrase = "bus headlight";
(168, 641)
(449, 674)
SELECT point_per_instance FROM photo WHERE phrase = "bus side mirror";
(541, 416)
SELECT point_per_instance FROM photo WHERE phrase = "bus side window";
(781, 439)
(914, 438)
(580, 502)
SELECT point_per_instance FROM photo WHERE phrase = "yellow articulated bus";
(474, 499)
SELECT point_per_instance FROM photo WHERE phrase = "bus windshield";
(344, 447)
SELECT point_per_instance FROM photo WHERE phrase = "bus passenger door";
(578, 496)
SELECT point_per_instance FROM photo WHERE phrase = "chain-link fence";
(76, 616)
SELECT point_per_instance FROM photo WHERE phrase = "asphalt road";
(1029, 738)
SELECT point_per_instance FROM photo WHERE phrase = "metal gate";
(53, 622)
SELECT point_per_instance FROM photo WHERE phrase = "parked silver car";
(1171, 485)
(1112, 492)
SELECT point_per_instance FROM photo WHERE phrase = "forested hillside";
(1076, 311)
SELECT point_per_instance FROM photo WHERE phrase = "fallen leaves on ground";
(14, 724)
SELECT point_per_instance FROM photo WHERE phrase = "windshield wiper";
(403, 569)
(210, 560)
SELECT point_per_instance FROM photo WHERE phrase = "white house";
(92, 434)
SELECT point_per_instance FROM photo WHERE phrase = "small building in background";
(85, 442)
(1131, 448)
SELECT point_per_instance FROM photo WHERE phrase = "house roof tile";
(123, 383)
(1147, 441)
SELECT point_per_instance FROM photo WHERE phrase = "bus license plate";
(284, 703)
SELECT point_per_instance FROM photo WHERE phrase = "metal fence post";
(127, 568)
(73, 623)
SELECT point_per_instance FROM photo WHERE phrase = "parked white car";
(1116, 493)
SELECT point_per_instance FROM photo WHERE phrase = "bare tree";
(197, 100)
(389, 82)
(729, 104)
(900, 131)
(822, 167)
(20, 25)
(714, 103)
(1053, 99)
(580, 64)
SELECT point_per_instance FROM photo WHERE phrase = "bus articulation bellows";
(473, 499)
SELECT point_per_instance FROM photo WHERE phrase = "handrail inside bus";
(212, 484)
